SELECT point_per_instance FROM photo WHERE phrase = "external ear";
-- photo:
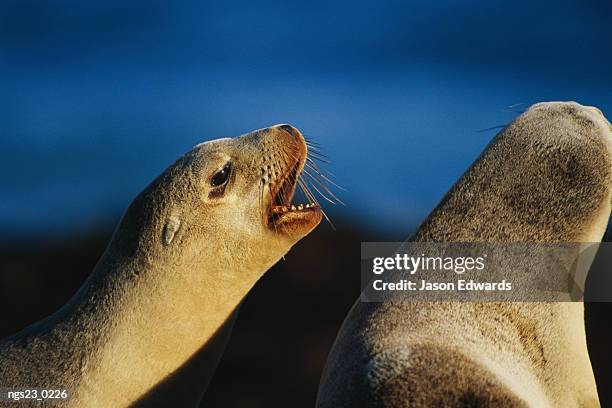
(172, 226)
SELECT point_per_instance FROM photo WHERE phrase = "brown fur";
(547, 177)
(152, 319)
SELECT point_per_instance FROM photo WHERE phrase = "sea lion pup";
(547, 177)
(184, 255)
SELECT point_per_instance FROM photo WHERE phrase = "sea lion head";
(227, 199)
(546, 177)
(575, 145)
(561, 172)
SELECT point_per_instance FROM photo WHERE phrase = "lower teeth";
(283, 208)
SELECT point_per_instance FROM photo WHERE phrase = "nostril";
(289, 129)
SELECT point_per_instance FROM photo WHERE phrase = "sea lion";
(546, 177)
(149, 324)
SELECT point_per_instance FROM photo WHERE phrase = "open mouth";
(284, 215)
(284, 194)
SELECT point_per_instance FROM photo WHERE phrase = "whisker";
(313, 147)
(309, 195)
(306, 190)
(311, 140)
(512, 107)
(320, 157)
(261, 189)
(325, 197)
(331, 224)
(312, 181)
(272, 200)
(310, 143)
(323, 186)
(324, 177)
(316, 166)
(493, 128)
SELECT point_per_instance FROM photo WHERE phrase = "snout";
(284, 154)
(602, 122)
(289, 129)
(590, 113)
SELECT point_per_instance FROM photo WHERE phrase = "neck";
(138, 326)
(564, 341)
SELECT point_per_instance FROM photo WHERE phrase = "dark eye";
(221, 176)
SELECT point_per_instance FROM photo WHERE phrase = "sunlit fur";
(150, 322)
(547, 177)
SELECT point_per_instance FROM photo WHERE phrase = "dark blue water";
(97, 98)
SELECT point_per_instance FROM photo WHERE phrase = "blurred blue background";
(97, 98)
